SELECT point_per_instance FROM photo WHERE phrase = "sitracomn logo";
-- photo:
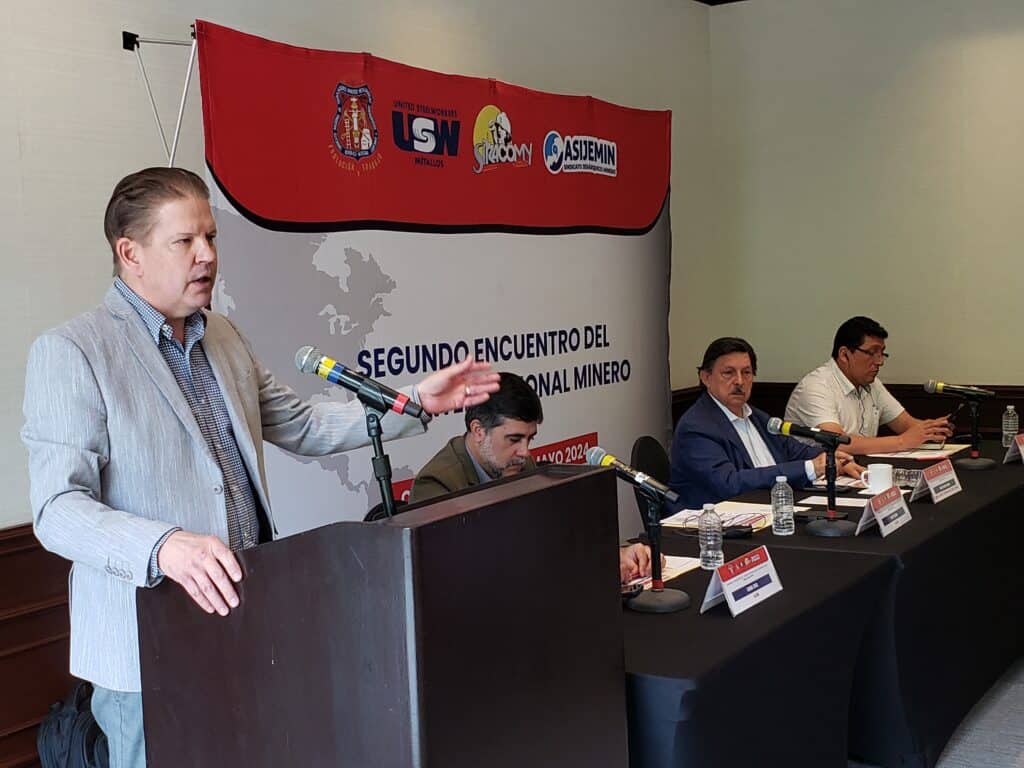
(493, 145)
(428, 132)
(354, 131)
(580, 154)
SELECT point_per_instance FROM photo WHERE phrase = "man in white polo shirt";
(845, 395)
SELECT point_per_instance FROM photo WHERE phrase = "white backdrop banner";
(400, 219)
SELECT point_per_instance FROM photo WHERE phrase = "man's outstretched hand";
(458, 386)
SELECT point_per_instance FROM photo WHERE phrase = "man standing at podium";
(145, 420)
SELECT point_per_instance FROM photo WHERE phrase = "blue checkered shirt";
(194, 375)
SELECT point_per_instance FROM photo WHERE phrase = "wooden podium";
(481, 630)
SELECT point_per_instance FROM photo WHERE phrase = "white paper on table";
(674, 566)
(841, 482)
(757, 516)
(869, 492)
(822, 501)
(922, 453)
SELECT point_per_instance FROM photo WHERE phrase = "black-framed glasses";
(870, 353)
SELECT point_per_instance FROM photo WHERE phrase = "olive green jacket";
(451, 469)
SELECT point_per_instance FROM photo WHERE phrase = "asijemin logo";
(580, 154)
(426, 131)
(492, 142)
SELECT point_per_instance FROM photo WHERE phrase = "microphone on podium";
(310, 360)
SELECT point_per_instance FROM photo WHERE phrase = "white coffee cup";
(877, 477)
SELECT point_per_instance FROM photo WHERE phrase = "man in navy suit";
(722, 446)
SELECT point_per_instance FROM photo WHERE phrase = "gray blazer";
(116, 459)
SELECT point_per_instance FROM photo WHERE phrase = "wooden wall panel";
(33, 641)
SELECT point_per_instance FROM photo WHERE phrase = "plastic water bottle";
(1010, 425)
(710, 533)
(782, 507)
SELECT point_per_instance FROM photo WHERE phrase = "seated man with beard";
(497, 444)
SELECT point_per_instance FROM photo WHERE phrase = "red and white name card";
(888, 510)
(1015, 451)
(743, 582)
(939, 480)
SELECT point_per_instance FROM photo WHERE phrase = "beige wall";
(868, 160)
(830, 157)
(74, 118)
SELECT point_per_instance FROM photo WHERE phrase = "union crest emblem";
(355, 130)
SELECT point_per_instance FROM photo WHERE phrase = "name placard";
(1016, 449)
(743, 582)
(939, 480)
(888, 510)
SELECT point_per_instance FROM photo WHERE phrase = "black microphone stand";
(375, 407)
(976, 461)
(657, 599)
(834, 523)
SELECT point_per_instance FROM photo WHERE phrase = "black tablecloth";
(953, 620)
(768, 688)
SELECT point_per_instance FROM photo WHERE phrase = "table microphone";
(599, 457)
(934, 387)
(779, 427)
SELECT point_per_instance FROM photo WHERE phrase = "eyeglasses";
(873, 353)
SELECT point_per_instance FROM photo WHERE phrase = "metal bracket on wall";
(133, 42)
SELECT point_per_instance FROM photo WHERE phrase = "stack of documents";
(757, 516)
(856, 501)
(923, 454)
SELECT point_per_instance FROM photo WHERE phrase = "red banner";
(402, 490)
(310, 140)
(572, 450)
